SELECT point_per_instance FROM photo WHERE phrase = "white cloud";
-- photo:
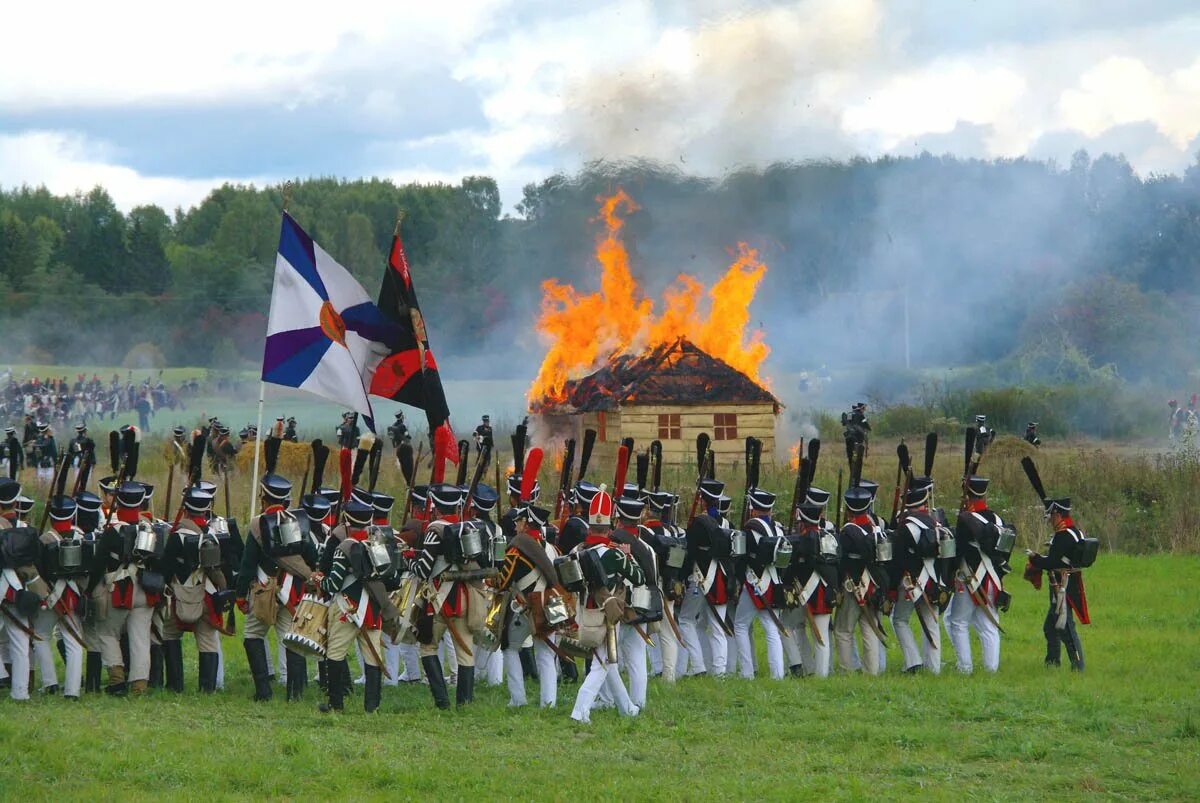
(1121, 90)
(68, 163)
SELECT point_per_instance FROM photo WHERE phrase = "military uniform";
(761, 586)
(93, 587)
(637, 627)
(455, 604)
(679, 654)
(527, 578)
(864, 583)
(489, 657)
(354, 614)
(979, 582)
(60, 608)
(814, 584)
(20, 604)
(919, 586)
(715, 578)
(274, 570)
(1068, 599)
(600, 609)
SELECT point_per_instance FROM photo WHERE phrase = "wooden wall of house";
(640, 422)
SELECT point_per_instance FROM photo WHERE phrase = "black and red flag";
(409, 374)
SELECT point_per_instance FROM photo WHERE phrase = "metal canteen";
(783, 553)
(947, 548)
(471, 543)
(883, 550)
(499, 548)
(570, 573)
(639, 598)
(737, 544)
(377, 552)
(829, 545)
(289, 531)
(1006, 540)
(676, 557)
(145, 543)
(218, 526)
(70, 556)
(555, 610)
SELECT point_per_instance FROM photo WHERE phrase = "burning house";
(616, 364)
(671, 393)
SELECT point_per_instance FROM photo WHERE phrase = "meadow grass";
(1127, 728)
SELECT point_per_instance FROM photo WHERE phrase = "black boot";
(464, 693)
(256, 656)
(797, 670)
(62, 649)
(437, 681)
(338, 675)
(297, 674)
(91, 678)
(208, 671)
(172, 657)
(373, 688)
(528, 665)
(323, 674)
(570, 672)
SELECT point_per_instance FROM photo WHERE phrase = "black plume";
(114, 450)
(969, 449)
(1034, 478)
(931, 444)
(404, 454)
(464, 451)
(373, 461)
(518, 445)
(628, 444)
(320, 457)
(814, 454)
(130, 448)
(196, 456)
(904, 457)
(643, 470)
(271, 453)
(656, 463)
(589, 443)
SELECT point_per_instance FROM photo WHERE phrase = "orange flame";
(584, 331)
(794, 457)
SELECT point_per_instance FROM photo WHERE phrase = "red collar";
(536, 534)
(200, 521)
(597, 538)
(273, 509)
(862, 520)
(451, 518)
(357, 535)
(64, 526)
(1066, 524)
(977, 505)
(128, 515)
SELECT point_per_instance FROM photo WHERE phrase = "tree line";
(1021, 265)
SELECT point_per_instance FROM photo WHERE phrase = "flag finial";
(399, 219)
(287, 194)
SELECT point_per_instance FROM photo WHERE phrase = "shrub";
(144, 356)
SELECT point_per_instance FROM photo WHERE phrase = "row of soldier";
(613, 580)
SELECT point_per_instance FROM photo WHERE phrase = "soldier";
(93, 587)
(454, 599)
(634, 636)
(714, 576)
(863, 584)
(669, 544)
(489, 662)
(816, 556)
(136, 586)
(13, 452)
(178, 448)
(985, 434)
(855, 429)
(277, 562)
(761, 588)
(354, 614)
(483, 434)
(600, 610)
(20, 603)
(61, 605)
(289, 431)
(81, 445)
(528, 577)
(1068, 600)
(979, 583)
(347, 433)
(198, 585)
(920, 587)
(1031, 434)
(575, 528)
(508, 520)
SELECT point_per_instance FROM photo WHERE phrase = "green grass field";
(1129, 728)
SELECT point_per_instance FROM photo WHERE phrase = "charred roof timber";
(673, 373)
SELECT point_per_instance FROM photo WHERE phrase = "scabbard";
(671, 620)
(26, 630)
(812, 623)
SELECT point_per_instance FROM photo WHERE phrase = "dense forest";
(1031, 269)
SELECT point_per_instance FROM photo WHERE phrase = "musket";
(702, 456)
(57, 485)
(378, 660)
(902, 471)
(841, 506)
(797, 489)
(307, 467)
(170, 485)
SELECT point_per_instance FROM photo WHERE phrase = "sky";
(161, 102)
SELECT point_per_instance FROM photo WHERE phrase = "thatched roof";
(676, 373)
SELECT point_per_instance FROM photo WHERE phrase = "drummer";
(353, 615)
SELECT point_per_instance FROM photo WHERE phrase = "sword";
(868, 615)
(720, 619)
(642, 633)
(981, 602)
(69, 628)
(783, 631)
(374, 653)
(908, 586)
(812, 623)
(12, 618)
(671, 620)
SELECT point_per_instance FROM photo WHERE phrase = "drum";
(309, 627)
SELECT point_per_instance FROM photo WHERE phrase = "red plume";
(346, 466)
(622, 469)
(533, 464)
(445, 448)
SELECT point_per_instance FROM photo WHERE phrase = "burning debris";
(616, 327)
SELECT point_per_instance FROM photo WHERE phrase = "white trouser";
(18, 654)
(547, 671)
(849, 616)
(449, 655)
(391, 660)
(135, 622)
(961, 617)
(411, 655)
(632, 650)
(493, 670)
(928, 654)
(718, 641)
(793, 620)
(280, 661)
(667, 646)
(814, 655)
(692, 614)
(220, 665)
(601, 675)
(44, 651)
(742, 622)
